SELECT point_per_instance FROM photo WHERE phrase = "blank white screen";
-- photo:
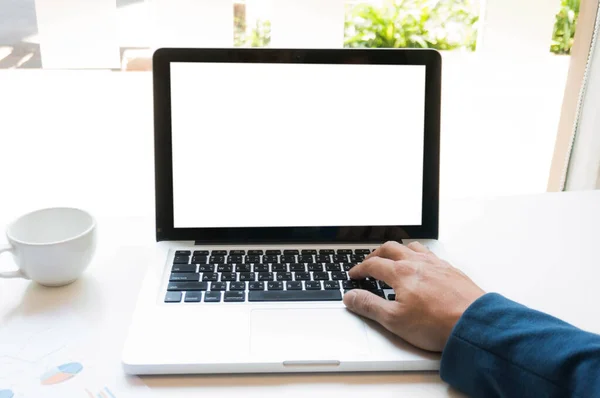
(271, 145)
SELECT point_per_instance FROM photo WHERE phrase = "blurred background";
(65, 64)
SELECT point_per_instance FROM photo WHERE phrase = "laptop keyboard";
(238, 276)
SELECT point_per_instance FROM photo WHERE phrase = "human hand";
(431, 295)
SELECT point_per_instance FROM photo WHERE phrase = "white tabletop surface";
(540, 250)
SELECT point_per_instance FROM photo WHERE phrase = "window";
(505, 61)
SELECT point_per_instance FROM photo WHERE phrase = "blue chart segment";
(6, 394)
(61, 373)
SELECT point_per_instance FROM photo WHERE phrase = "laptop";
(277, 171)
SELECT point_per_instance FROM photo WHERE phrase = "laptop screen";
(297, 145)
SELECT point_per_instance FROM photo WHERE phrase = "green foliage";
(439, 24)
(564, 28)
(258, 36)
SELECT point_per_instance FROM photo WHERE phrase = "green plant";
(439, 24)
(258, 36)
(564, 28)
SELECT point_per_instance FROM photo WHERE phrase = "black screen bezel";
(165, 229)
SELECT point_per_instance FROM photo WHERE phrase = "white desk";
(540, 250)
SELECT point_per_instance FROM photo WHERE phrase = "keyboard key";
(332, 267)
(219, 252)
(296, 295)
(315, 267)
(339, 276)
(349, 285)
(362, 251)
(307, 252)
(357, 258)
(210, 276)
(256, 286)
(320, 276)
(369, 285)
(193, 297)
(326, 251)
(212, 297)
(344, 251)
(340, 258)
(181, 260)
(235, 260)
(252, 259)
(391, 297)
(298, 267)
(348, 266)
(284, 276)
(218, 286)
(261, 268)
(184, 277)
(229, 276)
(302, 276)
(237, 286)
(184, 268)
(199, 260)
(255, 252)
(378, 292)
(206, 268)
(279, 268)
(183, 253)
(291, 252)
(322, 259)
(270, 259)
(273, 252)
(243, 268)
(201, 253)
(331, 285)
(293, 285)
(225, 268)
(247, 276)
(216, 259)
(265, 276)
(288, 259)
(274, 285)
(235, 297)
(173, 297)
(237, 252)
(313, 285)
(305, 259)
(179, 286)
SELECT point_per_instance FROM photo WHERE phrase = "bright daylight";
(299, 198)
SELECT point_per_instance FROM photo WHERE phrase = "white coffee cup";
(51, 246)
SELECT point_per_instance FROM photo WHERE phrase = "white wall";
(584, 166)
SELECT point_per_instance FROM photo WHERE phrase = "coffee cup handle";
(11, 274)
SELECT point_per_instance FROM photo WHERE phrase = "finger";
(418, 247)
(369, 305)
(392, 250)
(376, 267)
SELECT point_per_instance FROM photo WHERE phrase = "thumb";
(369, 305)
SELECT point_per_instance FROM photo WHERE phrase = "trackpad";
(307, 334)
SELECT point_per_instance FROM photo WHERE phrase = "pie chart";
(60, 373)
(6, 394)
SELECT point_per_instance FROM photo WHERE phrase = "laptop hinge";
(257, 243)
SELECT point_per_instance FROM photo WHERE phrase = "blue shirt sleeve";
(500, 348)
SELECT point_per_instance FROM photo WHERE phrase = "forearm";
(502, 349)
